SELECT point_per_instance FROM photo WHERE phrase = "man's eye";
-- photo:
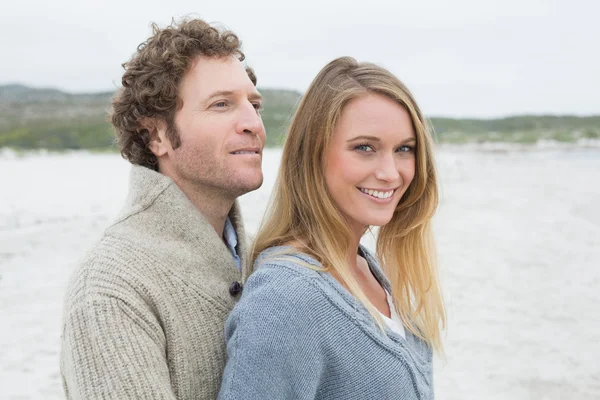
(257, 106)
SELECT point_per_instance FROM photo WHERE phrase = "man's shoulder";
(121, 260)
(105, 269)
(129, 261)
(118, 248)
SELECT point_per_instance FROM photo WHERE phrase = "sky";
(460, 58)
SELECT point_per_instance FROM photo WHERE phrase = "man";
(144, 313)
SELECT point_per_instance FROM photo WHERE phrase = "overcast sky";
(461, 58)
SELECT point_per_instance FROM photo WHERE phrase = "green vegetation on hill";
(50, 119)
(519, 129)
(47, 118)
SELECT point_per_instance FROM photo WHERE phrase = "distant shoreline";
(33, 118)
(540, 145)
(484, 147)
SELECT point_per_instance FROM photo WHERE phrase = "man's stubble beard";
(208, 175)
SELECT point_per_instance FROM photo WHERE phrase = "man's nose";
(250, 121)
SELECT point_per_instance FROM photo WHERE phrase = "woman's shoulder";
(288, 289)
(283, 268)
(283, 292)
(288, 259)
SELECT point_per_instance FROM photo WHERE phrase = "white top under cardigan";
(394, 323)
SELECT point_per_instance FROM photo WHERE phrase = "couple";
(173, 303)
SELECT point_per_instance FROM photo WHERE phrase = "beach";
(518, 233)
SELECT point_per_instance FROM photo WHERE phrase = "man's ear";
(157, 130)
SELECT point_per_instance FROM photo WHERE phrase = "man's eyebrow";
(255, 96)
(219, 93)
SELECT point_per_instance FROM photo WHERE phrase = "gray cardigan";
(298, 334)
(145, 310)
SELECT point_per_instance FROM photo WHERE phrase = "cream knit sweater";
(145, 311)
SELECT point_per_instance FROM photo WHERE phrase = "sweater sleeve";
(113, 350)
(273, 339)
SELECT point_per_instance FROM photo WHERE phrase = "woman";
(321, 318)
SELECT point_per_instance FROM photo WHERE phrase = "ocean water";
(518, 234)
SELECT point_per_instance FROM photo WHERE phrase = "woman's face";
(370, 161)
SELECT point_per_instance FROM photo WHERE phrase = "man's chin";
(247, 185)
(255, 185)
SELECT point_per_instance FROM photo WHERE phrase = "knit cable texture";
(145, 310)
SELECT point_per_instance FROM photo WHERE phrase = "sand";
(519, 240)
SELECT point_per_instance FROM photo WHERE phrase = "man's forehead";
(217, 67)
(211, 76)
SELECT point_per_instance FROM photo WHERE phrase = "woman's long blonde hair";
(302, 211)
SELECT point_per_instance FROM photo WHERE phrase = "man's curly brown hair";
(150, 83)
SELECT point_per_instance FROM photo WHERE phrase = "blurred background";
(510, 89)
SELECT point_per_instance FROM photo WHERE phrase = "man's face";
(221, 131)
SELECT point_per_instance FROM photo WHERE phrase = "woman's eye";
(220, 104)
(364, 148)
(257, 106)
(405, 149)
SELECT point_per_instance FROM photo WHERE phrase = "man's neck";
(212, 204)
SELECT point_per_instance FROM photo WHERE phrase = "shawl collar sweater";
(145, 310)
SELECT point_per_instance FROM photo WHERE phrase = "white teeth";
(377, 193)
(244, 152)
